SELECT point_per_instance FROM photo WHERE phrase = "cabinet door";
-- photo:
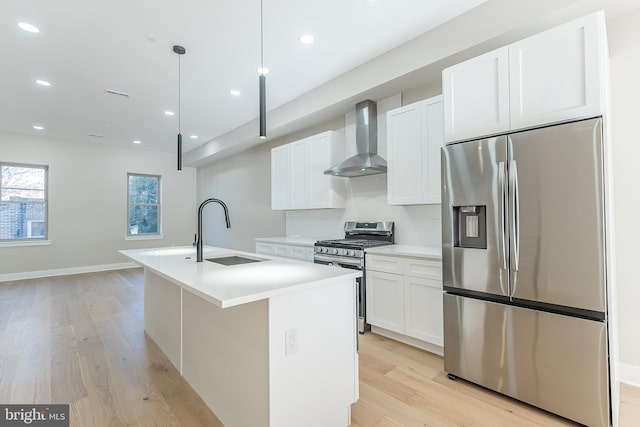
(280, 179)
(318, 186)
(423, 309)
(405, 140)
(476, 96)
(385, 301)
(556, 75)
(434, 130)
(297, 164)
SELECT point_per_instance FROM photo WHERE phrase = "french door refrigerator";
(525, 304)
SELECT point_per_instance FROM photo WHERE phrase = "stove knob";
(333, 251)
(352, 253)
(342, 252)
(323, 250)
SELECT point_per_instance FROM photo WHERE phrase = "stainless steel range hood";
(367, 161)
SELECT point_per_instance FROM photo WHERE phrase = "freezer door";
(474, 247)
(556, 206)
(555, 362)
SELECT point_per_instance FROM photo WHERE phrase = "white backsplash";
(367, 201)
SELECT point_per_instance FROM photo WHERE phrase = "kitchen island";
(266, 343)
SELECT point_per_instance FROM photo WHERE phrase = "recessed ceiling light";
(137, 141)
(263, 70)
(234, 92)
(36, 127)
(28, 27)
(306, 39)
(194, 137)
(168, 113)
(43, 83)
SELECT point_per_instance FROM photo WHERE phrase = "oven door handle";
(354, 262)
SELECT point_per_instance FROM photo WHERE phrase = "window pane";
(143, 219)
(13, 194)
(22, 220)
(143, 189)
(22, 183)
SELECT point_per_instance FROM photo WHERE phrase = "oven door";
(352, 264)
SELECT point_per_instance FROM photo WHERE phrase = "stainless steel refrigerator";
(524, 269)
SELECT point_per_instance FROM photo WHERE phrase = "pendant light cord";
(261, 39)
(179, 93)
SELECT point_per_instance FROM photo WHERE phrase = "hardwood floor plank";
(67, 382)
(106, 397)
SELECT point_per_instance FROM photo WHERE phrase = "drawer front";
(282, 251)
(300, 252)
(265, 248)
(429, 269)
(384, 263)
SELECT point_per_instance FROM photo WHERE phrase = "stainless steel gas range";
(349, 253)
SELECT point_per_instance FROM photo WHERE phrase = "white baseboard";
(65, 271)
(431, 348)
(629, 374)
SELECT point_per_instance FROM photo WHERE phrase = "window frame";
(29, 240)
(144, 236)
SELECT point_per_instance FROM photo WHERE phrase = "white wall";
(624, 33)
(243, 182)
(88, 202)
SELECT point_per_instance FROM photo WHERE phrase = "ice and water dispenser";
(471, 228)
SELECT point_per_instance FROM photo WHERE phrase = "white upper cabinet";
(297, 173)
(559, 74)
(476, 96)
(280, 178)
(414, 138)
(551, 77)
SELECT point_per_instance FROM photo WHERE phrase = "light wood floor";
(80, 340)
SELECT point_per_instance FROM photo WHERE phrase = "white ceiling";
(86, 46)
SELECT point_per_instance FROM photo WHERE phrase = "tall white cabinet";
(414, 138)
(297, 173)
(551, 77)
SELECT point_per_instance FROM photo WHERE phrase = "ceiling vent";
(116, 93)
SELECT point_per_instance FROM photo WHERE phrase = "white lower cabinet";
(300, 253)
(404, 296)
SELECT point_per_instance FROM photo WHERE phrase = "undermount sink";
(233, 260)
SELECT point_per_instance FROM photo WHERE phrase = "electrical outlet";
(291, 341)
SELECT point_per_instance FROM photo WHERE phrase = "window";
(23, 202)
(144, 205)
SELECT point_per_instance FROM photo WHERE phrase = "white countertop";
(227, 286)
(407, 250)
(295, 241)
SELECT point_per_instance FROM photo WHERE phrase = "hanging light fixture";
(180, 51)
(262, 82)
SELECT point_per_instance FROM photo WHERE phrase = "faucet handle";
(195, 239)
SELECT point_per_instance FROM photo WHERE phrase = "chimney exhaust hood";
(367, 161)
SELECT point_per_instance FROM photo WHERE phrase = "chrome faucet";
(199, 236)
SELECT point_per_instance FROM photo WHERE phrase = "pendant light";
(262, 80)
(180, 51)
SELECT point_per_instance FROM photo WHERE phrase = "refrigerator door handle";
(514, 216)
(502, 194)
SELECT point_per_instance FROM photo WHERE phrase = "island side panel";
(162, 315)
(225, 359)
(315, 386)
